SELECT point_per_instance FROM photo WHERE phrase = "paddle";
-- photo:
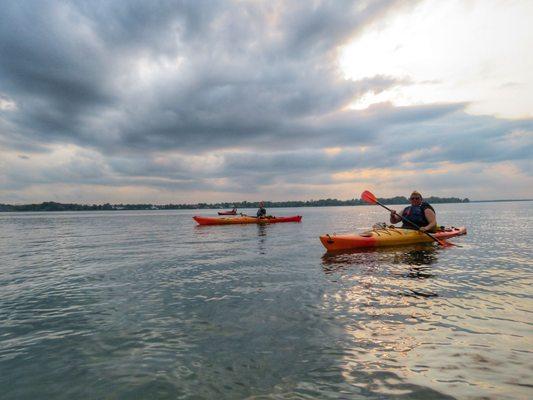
(369, 197)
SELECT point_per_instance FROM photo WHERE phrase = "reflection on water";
(418, 256)
(418, 263)
(413, 262)
(261, 234)
(384, 296)
(418, 272)
(414, 255)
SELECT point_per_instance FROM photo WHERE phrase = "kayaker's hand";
(393, 214)
(423, 229)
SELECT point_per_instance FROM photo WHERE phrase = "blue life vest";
(416, 215)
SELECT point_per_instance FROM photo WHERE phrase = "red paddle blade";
(368, 197)
(445, 243)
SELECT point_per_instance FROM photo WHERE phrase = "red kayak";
(232, 212)
(245, 220)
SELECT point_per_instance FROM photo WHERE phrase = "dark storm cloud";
(460, 137)
(247, 71)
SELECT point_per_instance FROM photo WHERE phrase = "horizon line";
(252, 202)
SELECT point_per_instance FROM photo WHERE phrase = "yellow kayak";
(389, 236)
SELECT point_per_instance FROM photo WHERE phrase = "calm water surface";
(146, 305)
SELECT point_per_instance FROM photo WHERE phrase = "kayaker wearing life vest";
(419, 212)
(262, 212)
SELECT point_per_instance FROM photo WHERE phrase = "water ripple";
(147, 305)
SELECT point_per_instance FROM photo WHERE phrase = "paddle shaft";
(411, 223)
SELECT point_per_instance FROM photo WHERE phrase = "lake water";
(147, 305)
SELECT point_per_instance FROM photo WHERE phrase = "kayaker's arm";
(432, 219)
(394, 217)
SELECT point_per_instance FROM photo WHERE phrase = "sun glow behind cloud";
(7, 104)
(453, 51)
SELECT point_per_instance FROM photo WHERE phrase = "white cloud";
(7, 104)
(475, 51)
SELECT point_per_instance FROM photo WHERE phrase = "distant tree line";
(53, 206)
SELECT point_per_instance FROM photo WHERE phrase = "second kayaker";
(262, 212)
(419, 212)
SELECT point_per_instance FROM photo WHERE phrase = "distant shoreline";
(497, 201)
(398, 200)
(55, 206)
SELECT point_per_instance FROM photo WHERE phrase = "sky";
(210, 101)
